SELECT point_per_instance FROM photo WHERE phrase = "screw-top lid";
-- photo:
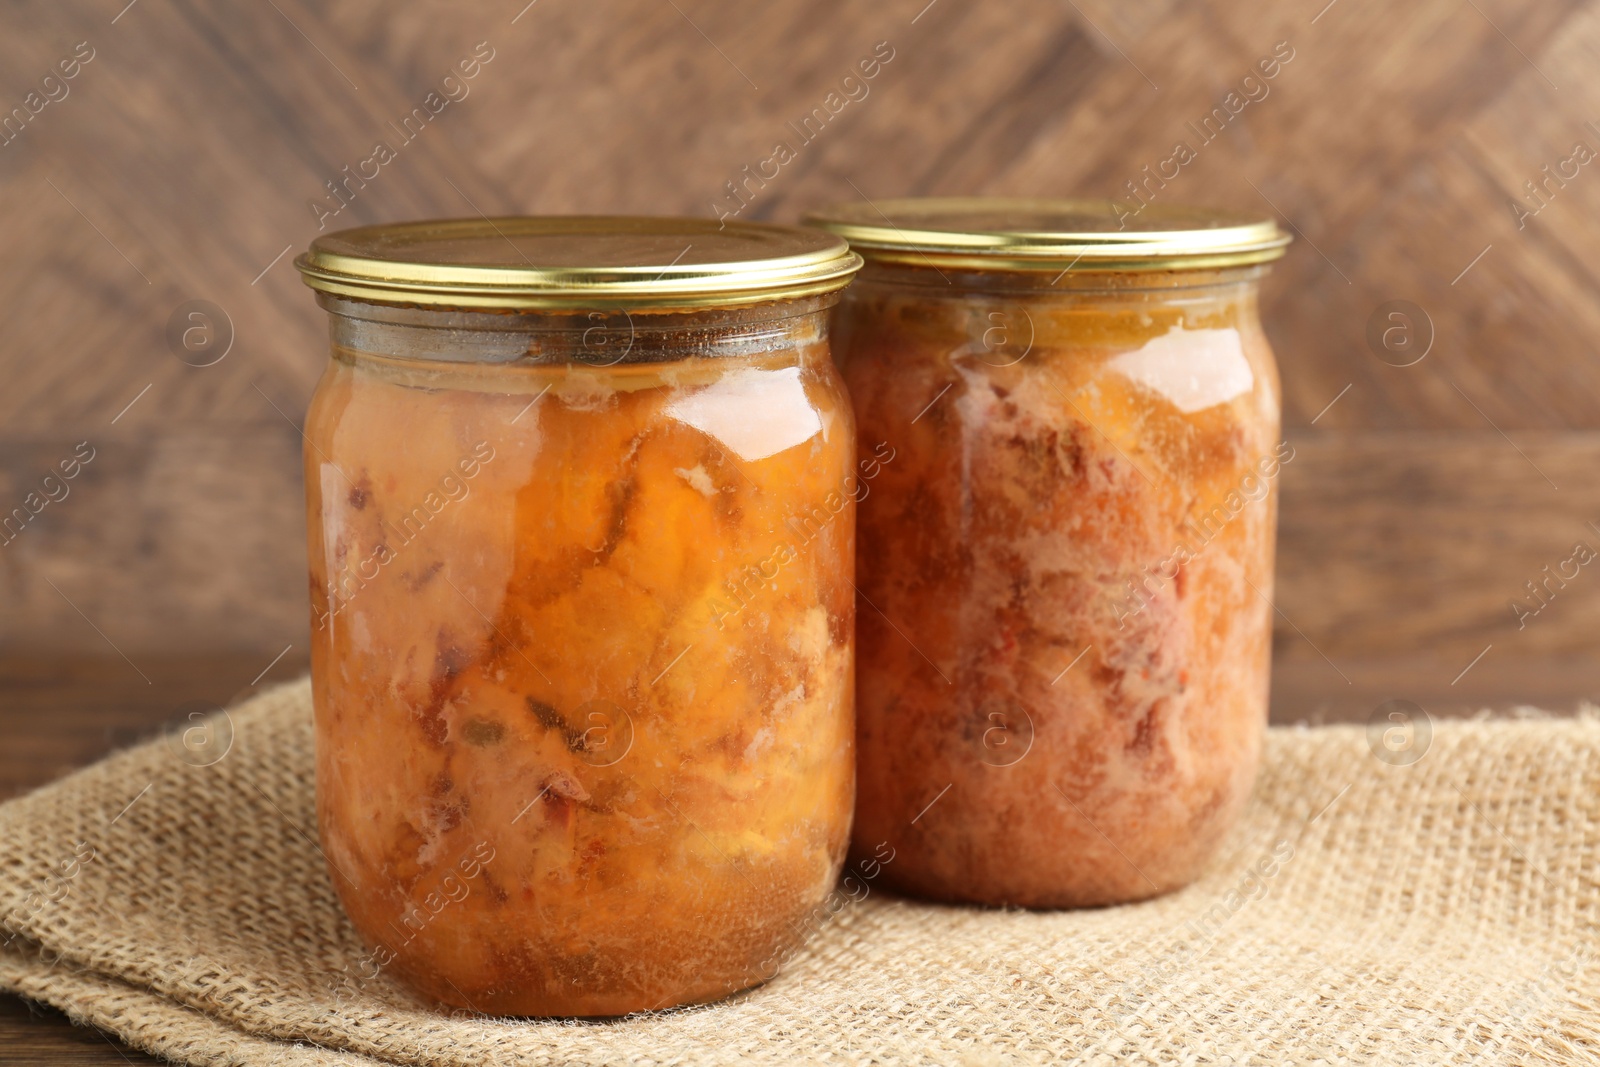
(998, 234)
(577, 262)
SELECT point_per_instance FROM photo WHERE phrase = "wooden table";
(56, 716)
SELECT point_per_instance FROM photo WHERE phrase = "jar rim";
(1000, 234)
(577, 262)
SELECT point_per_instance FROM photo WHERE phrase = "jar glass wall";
(1064, 664)
(582, 645)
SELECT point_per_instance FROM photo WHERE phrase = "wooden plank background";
(183, 160)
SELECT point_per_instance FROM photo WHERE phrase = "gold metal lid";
(577, 262)
(981, 233)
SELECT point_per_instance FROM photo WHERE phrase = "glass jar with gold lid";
(1065, 572)
(581, 513)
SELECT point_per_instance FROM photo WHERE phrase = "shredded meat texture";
(569, 761)
(1056, 706)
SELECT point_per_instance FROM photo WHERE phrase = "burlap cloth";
(1442, 912)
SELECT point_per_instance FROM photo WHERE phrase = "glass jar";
(1067, 564)
(581, 552)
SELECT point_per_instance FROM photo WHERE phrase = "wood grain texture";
(186, 155)
(183, 162)
(35, 1034)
